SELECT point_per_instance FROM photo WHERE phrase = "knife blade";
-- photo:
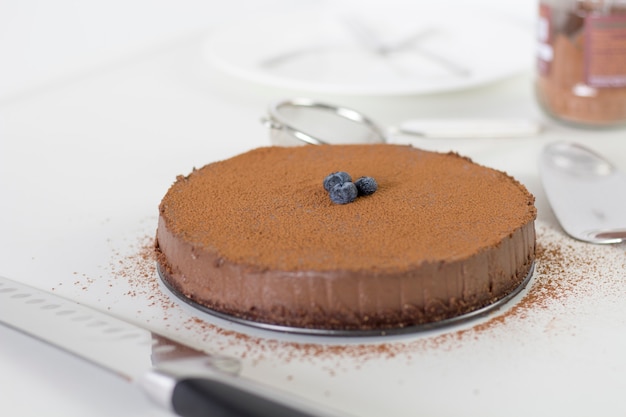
(177, 377)
(586, 192)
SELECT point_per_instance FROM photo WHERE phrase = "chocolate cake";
(258, 238)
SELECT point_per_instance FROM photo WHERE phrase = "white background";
(102, 104)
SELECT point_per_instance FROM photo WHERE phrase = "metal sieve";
(319, 123)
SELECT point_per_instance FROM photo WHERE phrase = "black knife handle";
(200, 397)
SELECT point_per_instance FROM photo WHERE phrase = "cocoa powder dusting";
(567, 273)
(275, 199)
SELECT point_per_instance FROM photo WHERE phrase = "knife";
(587, 193)
(184, 380)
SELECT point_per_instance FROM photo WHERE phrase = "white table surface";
(94, 129)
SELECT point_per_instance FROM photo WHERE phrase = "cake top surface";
(268, 208)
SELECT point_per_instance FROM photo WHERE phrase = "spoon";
(586, 192)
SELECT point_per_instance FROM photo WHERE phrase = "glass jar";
(581, 61)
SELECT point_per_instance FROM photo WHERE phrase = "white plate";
(317, 52)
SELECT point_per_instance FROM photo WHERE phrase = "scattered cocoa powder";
(567, 273)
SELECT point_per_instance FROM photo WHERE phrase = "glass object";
(581, 61)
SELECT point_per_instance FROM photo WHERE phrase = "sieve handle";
(469, 128)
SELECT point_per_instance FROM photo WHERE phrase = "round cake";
(257, 237)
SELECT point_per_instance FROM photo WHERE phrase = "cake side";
(344, 299)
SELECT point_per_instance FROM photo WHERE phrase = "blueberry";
(336, 178)
(366, 185)
(343, 193)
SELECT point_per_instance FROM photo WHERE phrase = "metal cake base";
(480, 312)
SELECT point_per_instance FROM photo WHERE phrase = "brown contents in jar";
(563, 89)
